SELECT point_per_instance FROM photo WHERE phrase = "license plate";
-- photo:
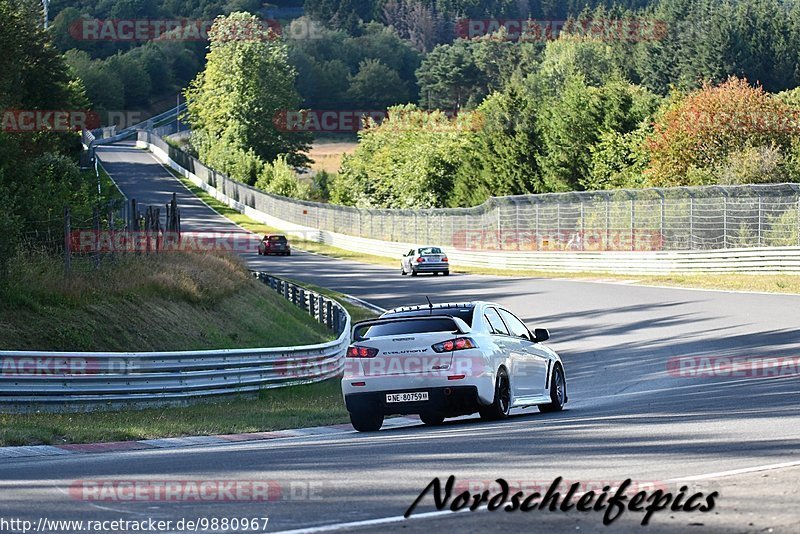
(415, 396)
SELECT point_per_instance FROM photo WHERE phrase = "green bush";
(782, 230)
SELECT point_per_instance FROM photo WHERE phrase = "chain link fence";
(681, 218)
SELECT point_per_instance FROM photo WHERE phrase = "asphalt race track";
(628, 417)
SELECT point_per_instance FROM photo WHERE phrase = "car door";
(512, 349)
(533, 361)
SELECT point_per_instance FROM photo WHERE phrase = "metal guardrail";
(69, 381)
(108, 135)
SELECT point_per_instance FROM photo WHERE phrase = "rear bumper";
(449, 401)
(431, 268)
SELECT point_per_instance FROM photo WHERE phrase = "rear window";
(408, 327)
(277, 238)
(430, 250)
(465, 314)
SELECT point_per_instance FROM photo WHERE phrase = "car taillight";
(361, 352)
(420, 260)
(445, 260)
(459, 343)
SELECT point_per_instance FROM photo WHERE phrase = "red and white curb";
(28, 451)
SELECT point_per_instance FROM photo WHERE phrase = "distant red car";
(274, 244)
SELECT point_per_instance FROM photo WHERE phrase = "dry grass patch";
(170, 301)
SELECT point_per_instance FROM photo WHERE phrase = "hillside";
(166, 302)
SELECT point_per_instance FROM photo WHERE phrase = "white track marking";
(397, 519)
(733, 472)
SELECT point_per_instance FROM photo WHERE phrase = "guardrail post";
(320, 309)
(329, 313)
(311, 302)
(335, 323)
(285, 289)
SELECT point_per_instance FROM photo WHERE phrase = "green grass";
(170, 301)
(274, 409)
(109, 189)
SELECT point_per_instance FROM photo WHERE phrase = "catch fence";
(679, 218)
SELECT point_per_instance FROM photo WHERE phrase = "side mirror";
(541, 334)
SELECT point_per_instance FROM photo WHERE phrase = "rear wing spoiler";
(460, 327)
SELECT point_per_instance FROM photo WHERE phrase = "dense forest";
(601, 104)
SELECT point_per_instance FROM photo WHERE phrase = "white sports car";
(446, 360)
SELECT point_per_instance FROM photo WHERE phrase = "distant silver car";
(425, 260)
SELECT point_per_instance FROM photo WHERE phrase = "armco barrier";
(68, 381)
(725, 260)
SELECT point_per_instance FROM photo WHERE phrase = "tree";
(503, 158)
(376, 86)
(104, 86)
(696, 133)
(246, 85)
(408, 161)
(570, 125)
(449, 78)
(135, 79)
(37, 170)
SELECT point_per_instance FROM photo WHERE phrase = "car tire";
(403, 270)
(413, 272)
(558, 392)
(447, 273)
(501, 405)
(288, 253)
(432, 419)
(366, 422)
